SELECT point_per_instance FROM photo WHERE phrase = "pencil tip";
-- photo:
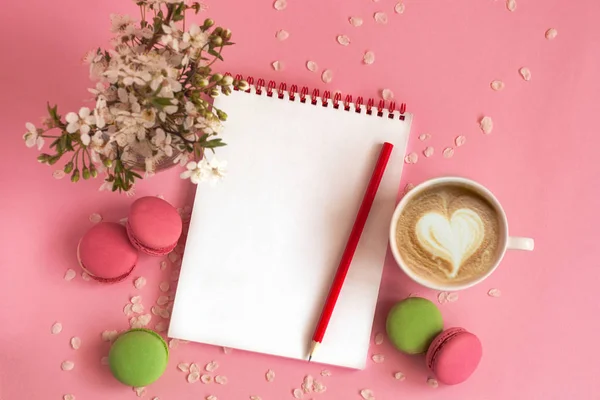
(309, 358)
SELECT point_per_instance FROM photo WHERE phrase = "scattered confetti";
(141, 321)
(139, 391)
(355, 21)
(378, 358)
(183, 367)
(379, 339)
(551, 33)
(109, 336)
(162, 300)
(307, 384)
(280, 5)
(525, 73)
(211, 366)
(221, 380)
(369, 57)
(127, 310)
(511, 5)
(104, 361)
(380, 17)
(428, 152)
(164, 286)
(139, 282)
(67, 365)
(486, 124)
(277, 66)
(460, 140)
(70, 275)
(194, 368)
(367, 394)
(163, 265)
(387, 94)
(326, 372)
(452, 297)
(75, 343)
(211, 397)
(448, 152)
(56, 328)
(399, 8)
(497, 85)
(255, 398)
(136, 300)
(85, 276)
(193, 377)
(95, 218)
(494, 293)
(311, 66)
(58, 174)
(424, 136)
(399, 376)
(137, 308)
(343, 40)
(319, 387)
(68, 397)
(206, 379)
(411, 158)
(443, 297)
(297, 393)
(227, 350)
(174, 343)
(282, 34)
(327, 76)
(432, 382)
(270, 375)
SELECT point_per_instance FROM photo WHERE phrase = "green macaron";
(138, 357)
(413, 323)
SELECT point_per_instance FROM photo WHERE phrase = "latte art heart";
(454, 239)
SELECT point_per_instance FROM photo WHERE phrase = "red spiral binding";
(337, 98)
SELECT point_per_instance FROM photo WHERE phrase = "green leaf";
(162, 101)
(213, 53)
(211, 144)
(136, 175)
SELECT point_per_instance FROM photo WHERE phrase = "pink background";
(540, 339)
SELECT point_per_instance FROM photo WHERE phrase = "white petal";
(355, 21)
(343, 40)
(186, 174)
(327, 76)
(30, 127)
(85, 138)
(71, 117)
(387, 94)
(282, 34)
(311, 66)
(369, 58)
(84, 112)
(40, 142)
(399, 8)
(380, 17)
(551, 33)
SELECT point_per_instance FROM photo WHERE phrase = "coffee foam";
(449, 234)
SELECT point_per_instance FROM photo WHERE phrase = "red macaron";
(154, 226)
(106, 254)
(454, 355)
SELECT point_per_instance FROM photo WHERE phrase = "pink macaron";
(106, 254)
(153, 226)
(454, 355)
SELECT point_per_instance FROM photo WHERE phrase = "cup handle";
(520, 243)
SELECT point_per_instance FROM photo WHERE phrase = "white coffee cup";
(506, 242)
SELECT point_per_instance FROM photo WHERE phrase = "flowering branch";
(152, 102)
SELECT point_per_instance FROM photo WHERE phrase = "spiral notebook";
(264, 244)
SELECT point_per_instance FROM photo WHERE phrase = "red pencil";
(357, 229)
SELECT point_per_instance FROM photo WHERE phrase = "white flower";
(209, 125)
(162, 140)
(196, 172)
(171, 36)
(119, 22)
(81, 123)
(32, 137)
(195, 37)
(182, 158)
(106, 185)
(217, 170)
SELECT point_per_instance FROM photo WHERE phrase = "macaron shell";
(138, 357)
(455, 356)
(412, 324)
(154, 225)
(106, 253)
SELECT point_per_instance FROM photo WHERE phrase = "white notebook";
(264, 244)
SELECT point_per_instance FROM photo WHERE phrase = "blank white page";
(264, 244)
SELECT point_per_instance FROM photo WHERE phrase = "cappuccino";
(449, 234)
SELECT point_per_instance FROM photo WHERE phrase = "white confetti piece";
(127, 309)
(183, 367)
(355, 21)
(343, 40)
(255, 398)
(379, 338)
(525, 73)
(141, 321)
(221, 380)
(307, 383)
(109, 336)
(95, 218)
(280, 5)
(326, 373)
(173, 257)
(162, 300)
(511, 5)
(85, 276)
(424, 136)
(58, 174)
(67, 365)
(211, 366)
(56, 328)
(164, 313)
(227, 350)
(367, 394)
(319, 387)
(139, 282)
(486, 124)
(136, 299)
(68, 397)
(432, 382)
(387, 94)
(442, 297)
(380, 17)
(163, 265)
(378, 358)
(327, 76)
(277, 65)
(460, 140)
(282, 34)
(211, 397)
(497, 85)
(452, 297)
(297, 393)
(104, 361)
(399, 8)
(369, 58)
(164, 286)
(551, 33)
(123, 221)
(174, 343)
(399, 376)
(75, 343)
(70, 275)
(311, 66)
(428, 152)
(411, 158)
(193, 377)
(139, 391)
(194, 368)
(448, 152)
(270, 375)
(206, 379)
(494, 293)
(137, 308)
